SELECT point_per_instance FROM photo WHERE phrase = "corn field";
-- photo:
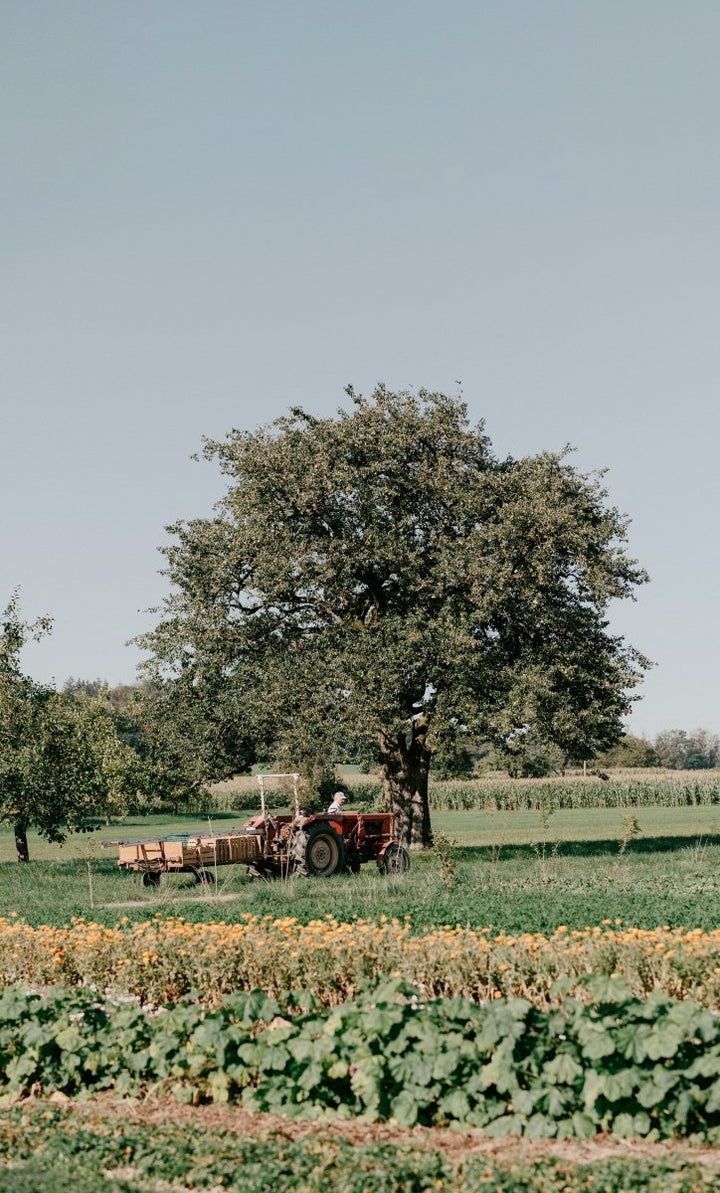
(623, 789)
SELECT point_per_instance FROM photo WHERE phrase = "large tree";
(382, 576)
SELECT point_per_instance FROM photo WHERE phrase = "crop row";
(162, 960)
(673, 790)
(60, 1151)
(664, 791)
(620, 1065)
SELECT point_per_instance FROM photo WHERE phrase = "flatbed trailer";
(187, 853)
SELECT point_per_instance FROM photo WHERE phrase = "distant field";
(514, 870)
(620, 789)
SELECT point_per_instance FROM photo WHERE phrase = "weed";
(545, 848)
(631, 829)
(444, 849)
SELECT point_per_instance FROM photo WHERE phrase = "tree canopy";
(679, 750)
(381, 576)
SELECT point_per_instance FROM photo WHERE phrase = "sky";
(214, 209)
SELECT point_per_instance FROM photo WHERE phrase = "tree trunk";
(404, 769)
(21, 841)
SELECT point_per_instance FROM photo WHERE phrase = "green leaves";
(358, 563)
(505, 1067)
(61, 759)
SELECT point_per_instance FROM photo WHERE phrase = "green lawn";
(514, 870)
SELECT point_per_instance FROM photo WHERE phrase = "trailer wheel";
(151, 878)
(395, 860)
(258, 871)
(205, 877)
(323, 852)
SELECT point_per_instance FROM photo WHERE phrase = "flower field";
(161, 960)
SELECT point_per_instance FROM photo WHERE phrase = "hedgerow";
(631, 1067)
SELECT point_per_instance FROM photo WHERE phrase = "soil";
(185, 899)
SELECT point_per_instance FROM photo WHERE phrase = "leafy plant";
(445, 853)
(621, 1065)
(45, 1149)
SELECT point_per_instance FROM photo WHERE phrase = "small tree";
(115, 764)
(381, 576)
(52, 776)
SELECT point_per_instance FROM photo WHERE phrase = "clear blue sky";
(214, 209)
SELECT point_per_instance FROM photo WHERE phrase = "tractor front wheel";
(323, 851)
(395, 860)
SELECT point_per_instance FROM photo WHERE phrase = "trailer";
(187, 853)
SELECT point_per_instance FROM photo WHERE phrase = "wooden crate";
(192, 852)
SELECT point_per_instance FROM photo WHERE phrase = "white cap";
(340, 795)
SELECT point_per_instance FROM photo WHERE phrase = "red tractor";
(273, 846)
(324, 843)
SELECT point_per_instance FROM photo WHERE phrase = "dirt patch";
(457, 1145)
(160, 903)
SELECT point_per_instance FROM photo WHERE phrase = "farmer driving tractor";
(338, 801)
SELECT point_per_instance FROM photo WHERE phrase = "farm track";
(133, 903)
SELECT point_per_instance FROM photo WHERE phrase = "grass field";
(518, 871)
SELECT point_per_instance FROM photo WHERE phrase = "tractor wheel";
(151, 878)
(298, 847)
(395, 860)
(323, 853)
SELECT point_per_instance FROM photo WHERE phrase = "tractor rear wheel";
(323, 851)
(395, 860)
